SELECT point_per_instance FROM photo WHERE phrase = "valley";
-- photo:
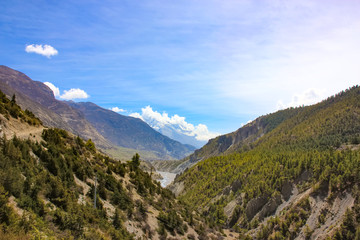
(167, 178)
(291, 174)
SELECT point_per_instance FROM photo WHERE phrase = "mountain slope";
(116, 134)
(237, 141)
(173, 133)
(48, 179)
(131, 132)
(304, 171)
(38, 98)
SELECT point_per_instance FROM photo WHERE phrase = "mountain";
(237, 140)
(131, 132)
(173, 133)
(134, 135)
(54, 185)
(293, 174)
(39, 99)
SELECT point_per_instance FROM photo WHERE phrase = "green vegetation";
(10, 108)
(47, 190)
(289, 225)
(41, 177)
(318, 140)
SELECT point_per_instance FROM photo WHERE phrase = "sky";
(204, 67)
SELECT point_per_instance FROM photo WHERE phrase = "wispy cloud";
(71, 94)
(298, 45)
(310, 96)
(45, 50)
(177, 123)
(117, 110)
(235, 59)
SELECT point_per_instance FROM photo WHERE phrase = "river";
(168, 177)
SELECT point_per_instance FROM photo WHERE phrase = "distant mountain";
(133, 134)
(175, 127)
(171, 132)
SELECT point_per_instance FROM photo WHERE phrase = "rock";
(235, 186)
(286, 190)
(254, 206)
(177, 188)
(230, 207)
(270, 207)
(305, 176)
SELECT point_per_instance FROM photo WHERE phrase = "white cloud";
(55, 90)
(177, 123)
(74, 93)
(310, 96)
(117, 110)
(45, 50)
(136, 115)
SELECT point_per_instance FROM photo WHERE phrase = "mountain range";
(130, 132)
(116, 134)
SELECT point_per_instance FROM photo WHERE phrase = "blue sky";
(211, 63)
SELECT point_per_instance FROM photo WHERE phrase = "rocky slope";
(112, 132)
(39, 99)
(131, 132)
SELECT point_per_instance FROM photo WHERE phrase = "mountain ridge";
(39, 98)
(237, 140)
(292, 177)
(130, 132)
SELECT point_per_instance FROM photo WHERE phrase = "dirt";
(230, 235)
(82, 184)
(21, 129)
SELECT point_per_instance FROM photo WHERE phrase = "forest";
(47, 190)
(321, 141)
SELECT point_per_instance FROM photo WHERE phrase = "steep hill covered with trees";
(304, 171)
(54, 185)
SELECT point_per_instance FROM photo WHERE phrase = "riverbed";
(168, 177)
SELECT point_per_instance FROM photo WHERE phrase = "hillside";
(236, 141)
(291, 174)
(39, 99)
(48, 179)
(131, 132)
(119, 135)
